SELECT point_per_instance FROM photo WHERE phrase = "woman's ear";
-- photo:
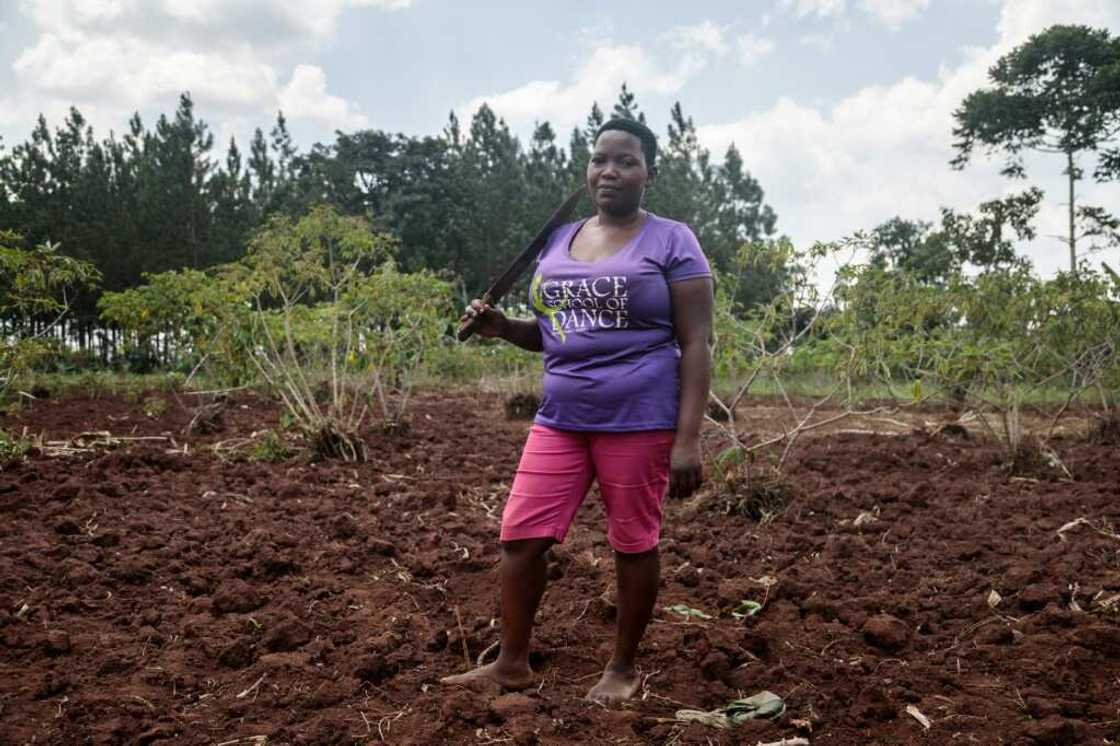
(651, 175)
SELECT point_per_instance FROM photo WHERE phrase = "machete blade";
(527, 256)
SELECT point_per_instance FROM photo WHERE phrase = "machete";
(505, 281)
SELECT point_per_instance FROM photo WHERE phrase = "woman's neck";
(629, 220)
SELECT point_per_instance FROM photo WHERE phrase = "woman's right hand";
(491, 321)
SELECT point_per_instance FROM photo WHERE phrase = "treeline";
(461, 203)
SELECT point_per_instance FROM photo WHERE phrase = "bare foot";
(508, 677)
(616, 685)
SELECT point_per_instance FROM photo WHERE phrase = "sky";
(842, 109)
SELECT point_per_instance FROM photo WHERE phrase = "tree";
(229, 193)
(723, 204)
(179, 213)
(741, 215)
(627, 106)
(492, 163)
(931, 256)
(985, 240)
(1057, 93)
(546, 169)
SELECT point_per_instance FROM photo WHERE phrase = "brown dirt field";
(149, 596)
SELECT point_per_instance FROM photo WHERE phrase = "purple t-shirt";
(611, 360)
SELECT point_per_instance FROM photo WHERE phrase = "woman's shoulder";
(565, 230)
(669, 231)
(561, 236)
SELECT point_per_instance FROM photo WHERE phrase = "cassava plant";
(186, 317)
(987, 343)
(336, 331)
(37, 289)
(759, 347)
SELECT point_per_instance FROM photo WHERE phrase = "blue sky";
(433, 55)
(842, 108)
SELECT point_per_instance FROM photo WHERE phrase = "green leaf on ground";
(687, 611)
(762, 705)
(745, 609)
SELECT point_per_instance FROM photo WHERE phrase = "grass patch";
(12, 447)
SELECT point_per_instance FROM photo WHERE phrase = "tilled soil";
(149, 596)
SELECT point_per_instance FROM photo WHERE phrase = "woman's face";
(617, 174)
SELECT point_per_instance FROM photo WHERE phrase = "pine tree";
(627, 107)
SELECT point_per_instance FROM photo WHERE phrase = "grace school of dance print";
(601, 302)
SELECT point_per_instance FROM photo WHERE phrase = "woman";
(624, 315)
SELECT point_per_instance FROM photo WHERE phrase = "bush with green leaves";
(988, 342)
(37, 288)
(188, 317)
(336, 330)
(757, 348)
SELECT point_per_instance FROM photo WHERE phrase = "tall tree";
(229, 193)
(1059, 92)
(741, 214)
(627, 106)
(492, 163)
(595, 120)
(723, 204)
(177, 205)
(984, 240)
(546, 169)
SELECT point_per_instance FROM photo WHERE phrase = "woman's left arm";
(692, 326)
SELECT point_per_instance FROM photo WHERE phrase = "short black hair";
(638, 130)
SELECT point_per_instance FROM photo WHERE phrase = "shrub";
(335, 330)
(37, 287)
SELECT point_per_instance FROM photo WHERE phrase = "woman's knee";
(526, 549)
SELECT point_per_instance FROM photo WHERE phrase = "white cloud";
(893, 13)
(885, 150)
(704, 37)
(306, 97)
(607, 67)
(107, 68)
(111, 57)
(820, 42)
(890, 13)
(818, 8)
(752, 48)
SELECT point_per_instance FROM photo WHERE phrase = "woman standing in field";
(623, 305)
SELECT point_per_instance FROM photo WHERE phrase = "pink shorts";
(556, 470)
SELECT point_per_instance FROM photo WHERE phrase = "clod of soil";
(1057, 731)
(522, 406)
(57, 643)
(1106, 431)
(67, 527)
(238, 654)
(511, 705)
(887, 632)
(374, 668)
(287, 634)
(1102, 639)
(994, 634)
(236, 597)
(1035, 597)
(345, 527)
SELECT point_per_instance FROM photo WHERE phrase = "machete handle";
(467, 328)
